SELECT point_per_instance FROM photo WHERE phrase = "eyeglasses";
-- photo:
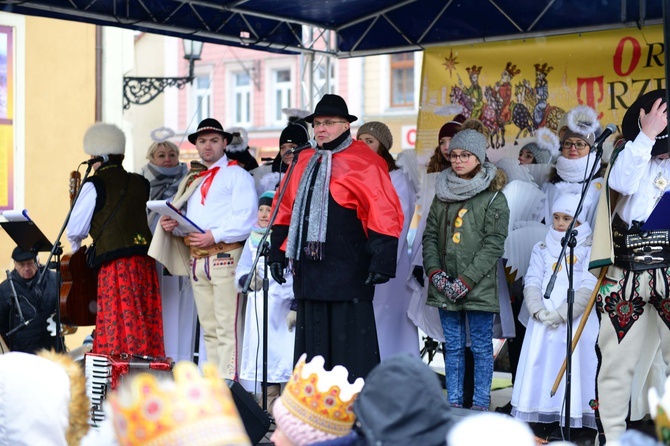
(579, 145)
(462, 157)
(317, 124)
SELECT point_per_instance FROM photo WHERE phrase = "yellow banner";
(517, 86)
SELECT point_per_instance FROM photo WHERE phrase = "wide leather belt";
(638, 250)
(201, 253)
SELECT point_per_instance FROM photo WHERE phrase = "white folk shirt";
(230, 207)
(82, 214)
(633, 175)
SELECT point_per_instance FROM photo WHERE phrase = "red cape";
(359, 181)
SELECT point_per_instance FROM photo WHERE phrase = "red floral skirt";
(130, 317)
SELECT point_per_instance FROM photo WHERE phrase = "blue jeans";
(481, 337)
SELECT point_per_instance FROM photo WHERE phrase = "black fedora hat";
(630, 126)
(210, 125)
(331, 105)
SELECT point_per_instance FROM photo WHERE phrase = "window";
(242, 95)
(320, 79)
(281, 89)
(402, 80)
(202, 98)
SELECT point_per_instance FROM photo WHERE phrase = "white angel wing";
(519, 246)
(525, 201)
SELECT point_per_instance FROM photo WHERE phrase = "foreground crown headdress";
(194, 409)
(321, 399)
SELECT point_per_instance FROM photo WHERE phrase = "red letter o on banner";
(411, 137)
(618, 56)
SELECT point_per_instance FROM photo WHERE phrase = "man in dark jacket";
(36, 307)
(401, 403)
(338, 224)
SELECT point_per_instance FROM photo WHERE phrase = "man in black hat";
(222, 201)
(36, 307)
(338, 226)
(633, 302)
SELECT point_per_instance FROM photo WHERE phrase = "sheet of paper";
(164, 207)
(15, 215)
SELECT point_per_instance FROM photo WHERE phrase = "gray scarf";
(449, 187)
(318, 205)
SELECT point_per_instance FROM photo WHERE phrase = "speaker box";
(255, 420)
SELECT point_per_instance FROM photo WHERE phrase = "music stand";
(27, 235)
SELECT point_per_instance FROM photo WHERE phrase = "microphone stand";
(57, 250)
(264, 251)
(570, 241)
(22, 320)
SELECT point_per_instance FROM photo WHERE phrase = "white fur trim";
(583, 120)
(548, 140)
(104, 139)
(298, 113)
(240, 147)
(162, 134)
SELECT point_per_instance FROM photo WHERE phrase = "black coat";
(33, 336)
(349, 256)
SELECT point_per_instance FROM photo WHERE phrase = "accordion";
(105, 373)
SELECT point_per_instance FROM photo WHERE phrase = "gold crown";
(512, 69)
(322, 399)
(473, 70)
(194, 409)
(544, 68)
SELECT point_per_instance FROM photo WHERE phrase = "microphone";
(611, 128)
(97, 159)
(311, 144)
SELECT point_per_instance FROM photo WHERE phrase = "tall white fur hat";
(104, 139)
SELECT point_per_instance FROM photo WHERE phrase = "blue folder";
(660, 216)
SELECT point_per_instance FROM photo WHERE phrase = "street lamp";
(142, 90)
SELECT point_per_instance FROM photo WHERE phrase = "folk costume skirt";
(129, 318)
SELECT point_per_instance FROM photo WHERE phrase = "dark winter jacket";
(466, 239)
(33, 336)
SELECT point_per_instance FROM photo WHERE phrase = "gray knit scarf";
(318, 205)
(449, 187)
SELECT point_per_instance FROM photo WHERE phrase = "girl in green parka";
(462, 243)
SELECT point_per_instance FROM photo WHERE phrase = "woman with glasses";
(577, 132)
(462, 243)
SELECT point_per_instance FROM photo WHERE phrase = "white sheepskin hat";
(240, 140)
(104, 139)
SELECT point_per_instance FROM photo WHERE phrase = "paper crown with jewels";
(322, 400)
(192, 409)
(473, 69)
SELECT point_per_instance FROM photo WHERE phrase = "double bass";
(79, 289)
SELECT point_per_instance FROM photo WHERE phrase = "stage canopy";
(357, 27)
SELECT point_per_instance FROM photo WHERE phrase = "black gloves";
(417, 272)
(376, 278)
(277, 272)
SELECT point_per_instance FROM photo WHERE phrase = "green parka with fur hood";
(466, 239)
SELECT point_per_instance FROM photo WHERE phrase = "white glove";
(532, 299)
(582, 297)
(256, 283)
(291, 319)
(549, 318)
